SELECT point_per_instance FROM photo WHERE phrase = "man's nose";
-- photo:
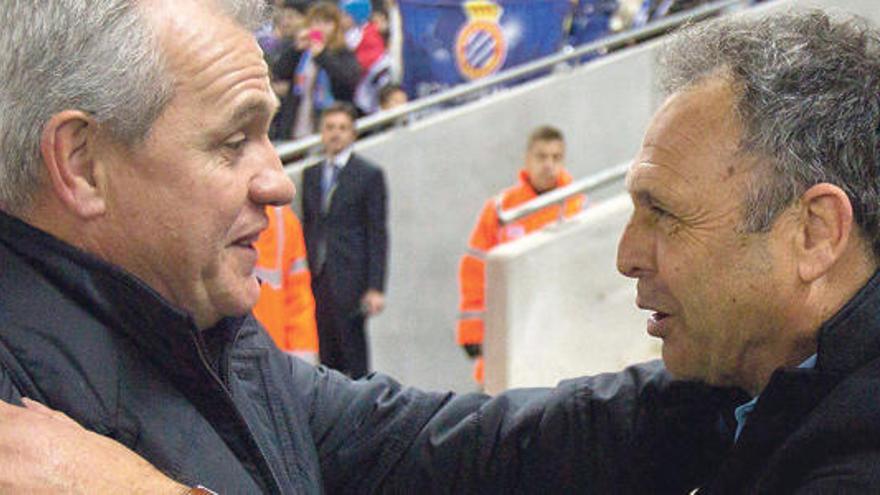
(271, 185)
(634, 251)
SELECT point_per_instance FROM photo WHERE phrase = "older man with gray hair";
(136, 169)
(755, 241)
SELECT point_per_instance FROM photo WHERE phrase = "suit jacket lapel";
(312, 186)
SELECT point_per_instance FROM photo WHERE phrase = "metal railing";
(559, 196)
(295, 150)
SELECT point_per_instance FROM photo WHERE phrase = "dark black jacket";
(354, 230)
(343, 70)
(818, 430)
(225, 408)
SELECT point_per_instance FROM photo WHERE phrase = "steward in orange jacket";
(543, 172)
(286, 307)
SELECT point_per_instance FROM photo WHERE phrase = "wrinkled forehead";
(692, 148)
(699, 124)
(202, 45)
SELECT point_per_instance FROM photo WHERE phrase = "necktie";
(328, 182)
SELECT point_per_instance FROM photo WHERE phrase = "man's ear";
(67, 147)
(825, 227)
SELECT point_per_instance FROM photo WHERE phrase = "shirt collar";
(341, 158)
(742, 412)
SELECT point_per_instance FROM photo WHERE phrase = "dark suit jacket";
(354, 229)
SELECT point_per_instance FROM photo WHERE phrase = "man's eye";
(235, 144)
(659, 212)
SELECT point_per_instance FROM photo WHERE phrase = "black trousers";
(342, 339)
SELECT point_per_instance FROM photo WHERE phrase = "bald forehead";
(700, 110)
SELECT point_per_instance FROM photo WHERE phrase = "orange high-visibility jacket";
(286, 306)
(487, 234)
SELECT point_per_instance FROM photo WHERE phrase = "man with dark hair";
(345, 227)
(543, 171)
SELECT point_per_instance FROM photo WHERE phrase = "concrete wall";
(558, 307)
(441, 169)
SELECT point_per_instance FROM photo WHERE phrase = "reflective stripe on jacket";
(487, 234)
(286, 307)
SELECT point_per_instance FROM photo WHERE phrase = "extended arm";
(614, 433)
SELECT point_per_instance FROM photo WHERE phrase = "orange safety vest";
(286, 307)
(487, 234)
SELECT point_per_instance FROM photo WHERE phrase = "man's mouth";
(657, 324)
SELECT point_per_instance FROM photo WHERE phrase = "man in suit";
(344, 222)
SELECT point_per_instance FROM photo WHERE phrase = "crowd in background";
(324, 51)
(321, 52)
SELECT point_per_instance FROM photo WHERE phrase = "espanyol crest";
(480, 47)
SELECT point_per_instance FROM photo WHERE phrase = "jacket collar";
(851, 338)
(116, 298)
(847, 341)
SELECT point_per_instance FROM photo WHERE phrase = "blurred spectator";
(288, 21)
(361, 34)
(266, 36)
(346, 231)
(544, 170)
(393, 38)
(651, 10)
(626, 12)
(327, 71)
(591, 20)
(290, 24)
(280, 30)
(380, 19)
(286, 307)
(391, 96)
(363, 37)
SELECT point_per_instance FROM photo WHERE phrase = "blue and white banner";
(447, 42)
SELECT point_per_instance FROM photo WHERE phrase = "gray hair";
(98, 56)
(808, 98)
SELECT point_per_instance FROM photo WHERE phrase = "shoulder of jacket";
(365, 164)
(509, 194)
